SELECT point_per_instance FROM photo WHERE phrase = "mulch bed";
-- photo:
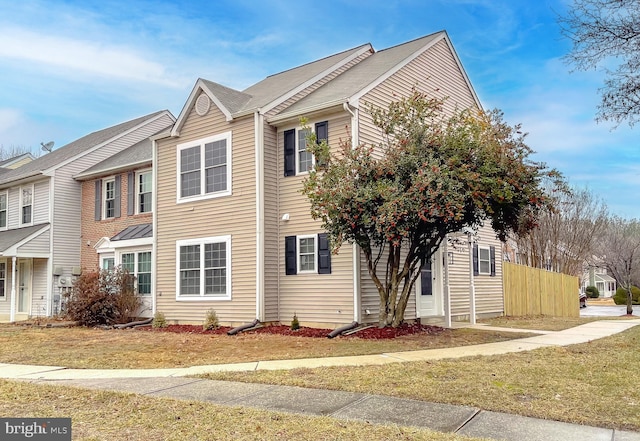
(372, 333)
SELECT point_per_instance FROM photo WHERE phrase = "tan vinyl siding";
(5, 302)
(315, 298)
(434, 72)
(272, 170)
(41, 202)
(13, 207)
(233, 215)
(488, 289)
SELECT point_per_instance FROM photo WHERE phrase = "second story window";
(144, 191)
(297, 160)
(26, 205)
(204, 168)
(109, 198)
(3, 210)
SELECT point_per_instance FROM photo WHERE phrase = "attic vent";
(202, 104)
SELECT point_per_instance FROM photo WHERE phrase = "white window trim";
(104, 196)
(106, 256)
(23, 224)
(201, 143)
(315, 253)
(313, 157)
(480, 260)
(6, 273)
(202, 297)
(6, 195)
(135, 251)
(137, 192)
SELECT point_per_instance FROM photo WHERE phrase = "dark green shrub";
(620, 297)
(102, 298)
(592, 292)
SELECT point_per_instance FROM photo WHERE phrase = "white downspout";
(154, 225)
(52, 184)
(14, 269)
(259, 164)
(355, 250)
(447, 289)
(472, 286)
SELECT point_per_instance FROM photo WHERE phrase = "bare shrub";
(103, 298)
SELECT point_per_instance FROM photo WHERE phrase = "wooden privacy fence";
(532, 291)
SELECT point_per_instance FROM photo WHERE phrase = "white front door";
(24, 286)
(429, 288)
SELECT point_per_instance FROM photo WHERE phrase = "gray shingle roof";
(11, 237)
(138, 154)
(58, 156)
(362, 74)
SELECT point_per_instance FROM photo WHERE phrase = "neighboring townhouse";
(116, 220)
(40, 209)
(235, 234)
(596, 275)
(16, 161)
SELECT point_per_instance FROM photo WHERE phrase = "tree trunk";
(629, 301)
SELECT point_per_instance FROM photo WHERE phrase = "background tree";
(432, 175)
(606, 32)
(566, 236)
(8, 152)
(620, 252)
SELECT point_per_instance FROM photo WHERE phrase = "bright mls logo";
(41, 429)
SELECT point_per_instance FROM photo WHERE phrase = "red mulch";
(373, 333)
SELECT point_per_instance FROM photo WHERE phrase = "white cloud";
(9, 118)
(72, 55)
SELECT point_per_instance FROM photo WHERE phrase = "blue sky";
(68, 68)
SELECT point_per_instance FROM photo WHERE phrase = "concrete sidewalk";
(372, 408)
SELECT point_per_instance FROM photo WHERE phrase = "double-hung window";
(138, 264)
(297, 160)
(307, 254)
(484, 260)
(204, 268)
(26, 205)
(144, 192)
(3, 210)
(109, 209)
(204, 168)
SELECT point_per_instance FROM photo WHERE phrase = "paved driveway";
(607, 310)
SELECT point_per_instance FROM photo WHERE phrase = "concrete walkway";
(372, 408)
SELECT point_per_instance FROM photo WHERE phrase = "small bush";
(295, 324)
(159, 320)
(211, 321)
(620, 297)
(102, 298)
(592, 292)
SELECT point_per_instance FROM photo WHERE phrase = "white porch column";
(14, 270)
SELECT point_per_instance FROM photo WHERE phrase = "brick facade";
(92, 231)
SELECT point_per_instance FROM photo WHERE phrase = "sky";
(68, 68)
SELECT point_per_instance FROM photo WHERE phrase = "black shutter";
(98, 206)
(324, 254)
(116, 202)
(492, 252)
(322, 134)
(131, 194)
(475, 260)
(290, 258)
(290, 152)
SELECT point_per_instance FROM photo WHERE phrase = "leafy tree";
(430, 176)
(620, 252)
(607, 32)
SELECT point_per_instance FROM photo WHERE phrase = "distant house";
(40, 209)
(116, 219)
(596, 275)
(16, 161)
(234, 234)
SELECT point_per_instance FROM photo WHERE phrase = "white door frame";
(29, 285)
(431, 306)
